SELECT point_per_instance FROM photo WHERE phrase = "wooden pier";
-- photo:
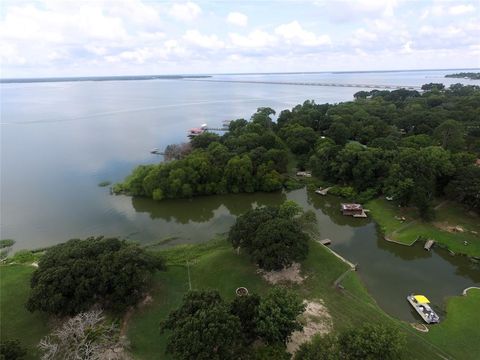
(429, 244)
(323, 191)
(325, 241)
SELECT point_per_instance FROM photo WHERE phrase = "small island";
(465, 75)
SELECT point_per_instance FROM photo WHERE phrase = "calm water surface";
(59, 140)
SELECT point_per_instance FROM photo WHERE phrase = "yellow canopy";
(421, 299)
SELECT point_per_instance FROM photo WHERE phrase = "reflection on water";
(204, 209)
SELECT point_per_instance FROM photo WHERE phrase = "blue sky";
(115, 37)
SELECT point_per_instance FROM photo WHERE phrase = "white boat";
(420, 304)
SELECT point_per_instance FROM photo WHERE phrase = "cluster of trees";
(250, 157)
(76, 275)
(402, 143)
(372, 342)
(274, 237)
(206, 327)
(11, 349)
(467, 75)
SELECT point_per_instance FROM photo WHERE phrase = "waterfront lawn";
(221, 268)
(448, 214)
(15, 321)
(460, 331)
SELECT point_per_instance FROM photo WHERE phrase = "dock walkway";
(429, 244)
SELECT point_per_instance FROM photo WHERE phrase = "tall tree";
(450, 135)
(204, 329)
(277, 315)
(73, 276)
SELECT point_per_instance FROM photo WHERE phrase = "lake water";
(59, 140)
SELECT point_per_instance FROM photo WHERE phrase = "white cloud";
(362, 36)
(204, 41)
(461, 9)
(237, 18)
(185, 12)
(353, 10)
(407, 48)
(255, 39)
(293, 33)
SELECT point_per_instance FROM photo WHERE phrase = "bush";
(11, 350)
(73, 276)
(23, 257)
(346, 192)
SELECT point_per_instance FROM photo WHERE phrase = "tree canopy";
(366, 342)
(207, 327)
(73, 276)
(273, 236)
(362, 144)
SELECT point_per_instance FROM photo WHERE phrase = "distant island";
(104, 78)
(465, 75)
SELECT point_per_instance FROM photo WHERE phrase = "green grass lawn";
(15, 321)
(221, 268)
(215, 265)
(461, 328)
(449, 214)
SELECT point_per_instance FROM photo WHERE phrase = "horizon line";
(189, 75)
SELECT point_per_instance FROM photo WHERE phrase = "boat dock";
(429, 244)
(323, 191)
(325, 241)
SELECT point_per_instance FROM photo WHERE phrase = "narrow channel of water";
(389, 271)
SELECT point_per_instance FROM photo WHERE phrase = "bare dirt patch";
(445, 226)
(290, 274)
(316, 320)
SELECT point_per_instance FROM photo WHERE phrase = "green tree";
(239, 174)
(339, 133)
(11, 350)
(278, 243)
(450, 135)
(243, 232)
(320, 348)
(246, 309)
(271, 352)
(299, 139)
(465, 187)
(277, 315)
(73, 276)
(202, 141)
(372, 342)
(203, 328)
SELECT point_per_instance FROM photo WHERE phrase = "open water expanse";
(59, 140)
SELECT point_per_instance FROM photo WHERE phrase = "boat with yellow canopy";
(421, 304)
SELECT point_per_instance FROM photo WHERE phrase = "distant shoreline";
(103, 78)
(201, 76)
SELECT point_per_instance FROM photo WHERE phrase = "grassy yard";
(214, 265)
(449, 214)
(221, 268)
(15, 321)
(460, 330)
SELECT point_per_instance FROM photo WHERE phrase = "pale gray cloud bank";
(113, 37)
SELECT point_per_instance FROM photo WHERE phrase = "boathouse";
(352, 209)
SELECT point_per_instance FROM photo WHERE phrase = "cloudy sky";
(115, 37)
